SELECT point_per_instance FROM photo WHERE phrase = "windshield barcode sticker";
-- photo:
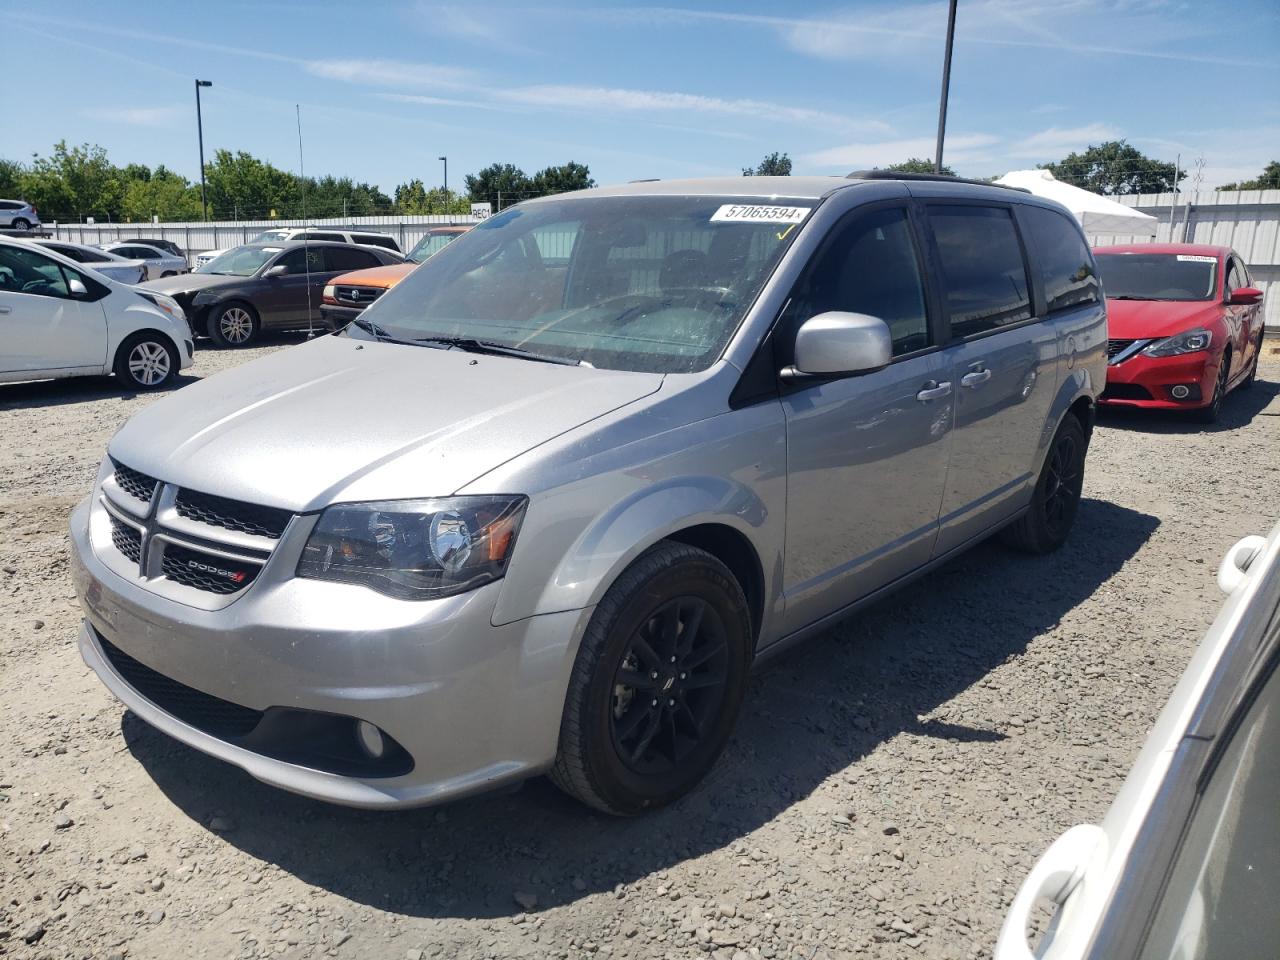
(1187, 257)
(749, 213)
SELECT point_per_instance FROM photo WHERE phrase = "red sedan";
(1185, 324)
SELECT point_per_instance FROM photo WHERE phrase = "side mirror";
(1244, 296)
(840, 344)
(77, 288)
(279, 270)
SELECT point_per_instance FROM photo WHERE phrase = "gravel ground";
(889, 785)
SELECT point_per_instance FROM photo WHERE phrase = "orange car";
(346, 296)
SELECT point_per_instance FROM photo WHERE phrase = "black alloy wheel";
(1211, 413)
(1047, 522)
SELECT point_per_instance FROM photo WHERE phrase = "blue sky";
(642, 91)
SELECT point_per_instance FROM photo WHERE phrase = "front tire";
(1252, 378)
(233, 325)
(146, 361)
(1056, 499)
(1211, 413)
(657, 684)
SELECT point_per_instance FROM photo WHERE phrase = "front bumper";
(1147, 382)
(473, 705)
(336, 317)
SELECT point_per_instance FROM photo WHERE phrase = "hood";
(188, 284)
(340, 419)
(382, 277)
(1145, 319)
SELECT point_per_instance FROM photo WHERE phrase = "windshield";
(431, 243)
(1158, 276)
(241, 261)
(624, 283)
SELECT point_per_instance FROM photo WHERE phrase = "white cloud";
(139, 116)
(1055, 143)
(487, 30)
(427, 101)
(960, 148)
(389, 73)
(611, 99)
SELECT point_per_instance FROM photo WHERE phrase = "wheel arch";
(133, 335)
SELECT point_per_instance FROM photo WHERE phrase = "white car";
(62, 319)
(104, 261)
(285, 234)
(19, 215)
(1186, 863)
(159, 263)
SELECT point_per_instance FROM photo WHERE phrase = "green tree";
(411, 197)
(1269, 179)
(1115, 167)
(499, 180)
(162, 194)
(10, 178)
(916, 165)
(242, 186)
(331, 196)
(562, 179)
(73, 183)
(774, 165)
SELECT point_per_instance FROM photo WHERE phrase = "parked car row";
(368, 238)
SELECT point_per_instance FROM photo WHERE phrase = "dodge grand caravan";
(544, 504)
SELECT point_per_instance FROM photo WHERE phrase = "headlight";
(1189, 342)
(328, 295)
(167, 304)
(415, 549)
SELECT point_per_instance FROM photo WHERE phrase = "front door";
(42, 326)
(293, 300)
(866, 455)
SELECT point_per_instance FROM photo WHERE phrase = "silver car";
(158, 261)
(542, 507)
(103, 261)
(19, 215)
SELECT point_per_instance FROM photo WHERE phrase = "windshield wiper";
(472, 345)
(368, 326)
(1125, 296)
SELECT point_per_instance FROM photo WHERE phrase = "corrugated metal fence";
(1248, 220)
(198, 237)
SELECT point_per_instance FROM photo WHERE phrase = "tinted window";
(303, 260)
(73, 253)
(870, 266)
(1064, 261)
(986, 280)
(25, 271)
(1158, 276)
(1221, 897)
(349, 258)
(433, 243)
(327, 236)
(1235, 277)
(9, 205)
(375, 240)
(137, 253)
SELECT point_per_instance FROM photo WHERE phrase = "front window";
(431, 243)
(271, 236)
(1158, 276)
(624, 283)
(240, 262)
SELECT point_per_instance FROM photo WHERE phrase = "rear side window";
(870, 266)
(1065, 263)
(303, 260)
(326, 236)
(986, 279)
(349, 258)
(375, 240)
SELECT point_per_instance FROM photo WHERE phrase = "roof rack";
(932, 177)
(646, 180)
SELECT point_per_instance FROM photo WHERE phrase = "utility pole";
(445, 160)
(204, 203)
(946, 87)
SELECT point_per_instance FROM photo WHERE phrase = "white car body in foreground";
(63, 319)
(159, 263)
(1186, 863)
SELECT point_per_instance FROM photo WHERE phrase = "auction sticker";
(1192, 258)
(752, 213)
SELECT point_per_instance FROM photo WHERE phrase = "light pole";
(200, 132)
(445, 160)
(946, 86)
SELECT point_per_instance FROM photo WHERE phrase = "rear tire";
(657, 684)
(1056, 499)
(233, 325)
(146, 361)
(21, 224)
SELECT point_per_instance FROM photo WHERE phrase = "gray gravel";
(889, 785)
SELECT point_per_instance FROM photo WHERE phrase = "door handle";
(6, 309)
(934, 391)
(975, 379)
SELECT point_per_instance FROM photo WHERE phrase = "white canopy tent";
(1097, 214)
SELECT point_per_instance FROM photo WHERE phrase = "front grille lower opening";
(206, 571)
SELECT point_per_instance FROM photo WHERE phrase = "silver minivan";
(542, 507)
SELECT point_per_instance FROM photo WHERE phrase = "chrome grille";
(204, 571)
(1115, 346)
(232, 514)
(135, 484)
(126, 539)
(357, 296)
